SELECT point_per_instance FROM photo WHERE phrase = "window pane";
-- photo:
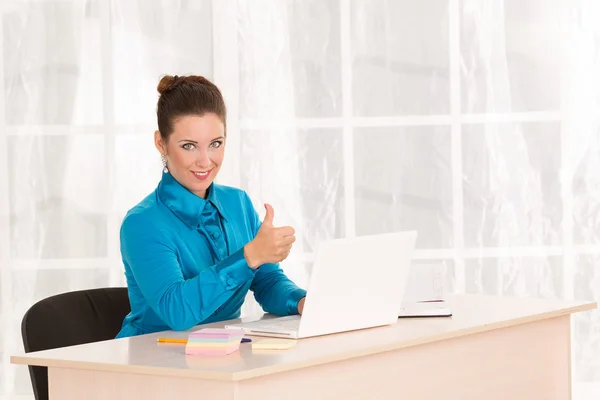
(511, 187)
(138, 170)
(291, 68)
(400, 58)
(52, 63)
(315, 51)
(522, 276)
(308, 171)
(57, 195)
(321, 185)
(151, 38)
(448, 269)
(509, 58)
(403, 181)
(585, 142)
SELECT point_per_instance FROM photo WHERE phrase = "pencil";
(167, 340)
(184, 341)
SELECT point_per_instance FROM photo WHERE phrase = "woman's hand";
(271, 245)
(301, 305)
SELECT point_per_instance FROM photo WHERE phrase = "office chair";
(70, 319)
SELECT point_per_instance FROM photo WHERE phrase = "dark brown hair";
(187, 95)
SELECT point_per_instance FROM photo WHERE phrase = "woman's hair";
(187, 95)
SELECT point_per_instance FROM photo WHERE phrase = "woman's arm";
(180, 303)
(273, 290)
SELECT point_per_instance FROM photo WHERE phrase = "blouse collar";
(185, 204)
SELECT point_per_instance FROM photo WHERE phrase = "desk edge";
(24, 359)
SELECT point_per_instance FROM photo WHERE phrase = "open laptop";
(356, 283)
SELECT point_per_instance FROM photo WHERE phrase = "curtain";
(474, 122)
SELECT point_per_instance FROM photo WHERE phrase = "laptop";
(356, 283)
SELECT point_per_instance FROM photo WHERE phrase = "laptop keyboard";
(286, 324)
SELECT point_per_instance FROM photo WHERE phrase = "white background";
(473, 121)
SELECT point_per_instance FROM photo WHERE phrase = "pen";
(168, 340)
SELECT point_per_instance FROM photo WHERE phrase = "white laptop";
(356, 283)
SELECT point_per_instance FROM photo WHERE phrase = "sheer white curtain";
(474, 122)
(269, 151)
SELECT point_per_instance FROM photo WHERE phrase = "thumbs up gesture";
(271, 244)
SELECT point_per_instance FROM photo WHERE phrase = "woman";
(192, 249)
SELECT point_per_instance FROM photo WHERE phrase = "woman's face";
(194, 151)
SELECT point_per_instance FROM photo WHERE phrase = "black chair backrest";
(70, 319)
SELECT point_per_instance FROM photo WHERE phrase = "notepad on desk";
(425, 295)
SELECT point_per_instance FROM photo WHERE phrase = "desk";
(493, 348)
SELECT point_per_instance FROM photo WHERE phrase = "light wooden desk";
(493, 348)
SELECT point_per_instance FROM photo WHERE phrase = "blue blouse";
(184, 260)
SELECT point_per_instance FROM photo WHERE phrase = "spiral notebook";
(425, 295)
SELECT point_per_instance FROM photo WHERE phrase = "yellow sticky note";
(273, 344)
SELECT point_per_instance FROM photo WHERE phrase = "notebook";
(425, 294)
(273, 344)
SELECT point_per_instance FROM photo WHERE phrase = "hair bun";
(165, 83)
(187, 95)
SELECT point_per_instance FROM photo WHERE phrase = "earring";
(164, 162)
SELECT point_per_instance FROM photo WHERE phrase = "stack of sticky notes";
(214, 341)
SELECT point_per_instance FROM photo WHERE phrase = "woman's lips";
(202, 176)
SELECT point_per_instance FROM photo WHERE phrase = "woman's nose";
(203, 160)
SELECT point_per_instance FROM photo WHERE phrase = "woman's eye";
(216, 144)
(188, 146)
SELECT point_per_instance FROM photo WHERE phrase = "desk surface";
(143, 355)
